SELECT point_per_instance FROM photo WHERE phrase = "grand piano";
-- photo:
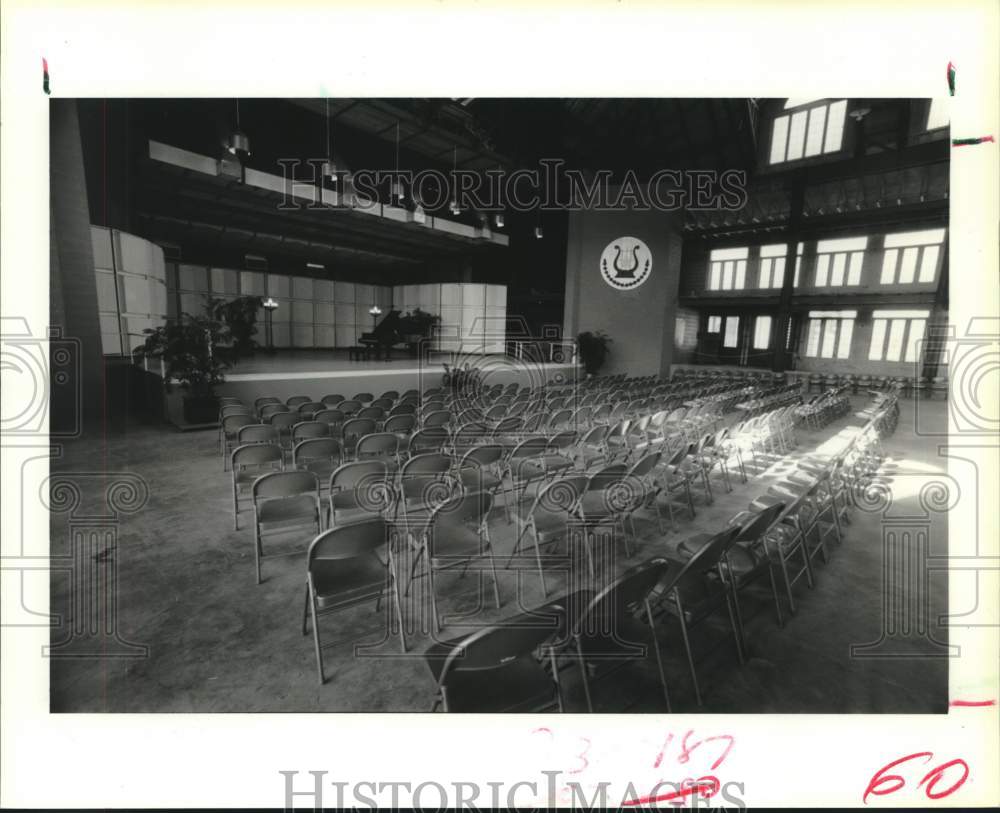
(384, 337)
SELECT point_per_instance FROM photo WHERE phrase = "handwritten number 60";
(877, 785)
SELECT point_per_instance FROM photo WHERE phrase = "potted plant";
(417, 324)
(239, 316)
(186, 347)
(594, 348)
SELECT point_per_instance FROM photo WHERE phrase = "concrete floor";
(219, 643)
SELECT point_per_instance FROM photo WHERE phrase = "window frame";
(898, 253)
(727, 267)
(788, 116)
(757, 332)
(884, 324)
(831, 333)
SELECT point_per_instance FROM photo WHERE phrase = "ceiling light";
(330, 167)
(498, 220)
(238, 141)
(538, 232)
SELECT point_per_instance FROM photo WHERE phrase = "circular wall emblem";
(626, 263)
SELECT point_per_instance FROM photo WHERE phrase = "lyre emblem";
(629, 258)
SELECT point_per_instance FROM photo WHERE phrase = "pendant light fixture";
(397, 184)
(238, 141)
(455, 210)
(498, 218)
(330, 167)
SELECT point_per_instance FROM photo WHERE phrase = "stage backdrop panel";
(473, 316)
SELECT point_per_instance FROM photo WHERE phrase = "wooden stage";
(322, 372)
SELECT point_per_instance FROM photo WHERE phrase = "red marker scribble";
(663, 750)
(932, 778)
(687, 750)
(705, 786)
(973, 703)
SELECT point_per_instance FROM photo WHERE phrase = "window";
(798, 264)
(896, 335)
(762, 333)
(714, 324)
(829, 334)
(731, 337)
(772, 266)
(937, 114)
(816, 129)
(838, 262)
(911, 257)
(728, 269)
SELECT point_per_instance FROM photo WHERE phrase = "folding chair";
(380, 445)
(269, 409)
(697, 591)
(343, 569)
(359, 489)
(608, 631)
(401, 426)
(364, 397)
(524, 466)
(438, 417)
(264, 400)
(497, 668)
(604, 502)
(310, 408)
(353, 430)
(480, 469)
(334, 417)
(284, 501)
(375, 413)
(350, 407)
(296, 401)
(332, 400)
(256, 433)
(247, 464)
(643, 489)
(225, 410)
(456, 533)
(424, 482)
(591, 448)
(229, 430)
(552, 514)
(321, 456)
(309, 429)
(422, 441)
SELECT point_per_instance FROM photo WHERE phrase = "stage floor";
(292, 372)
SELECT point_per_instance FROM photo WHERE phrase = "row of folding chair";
(821, 409)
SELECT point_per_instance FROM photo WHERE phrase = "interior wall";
(640, 322)
(79, 397)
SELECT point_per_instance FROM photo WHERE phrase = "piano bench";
(359, 352)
